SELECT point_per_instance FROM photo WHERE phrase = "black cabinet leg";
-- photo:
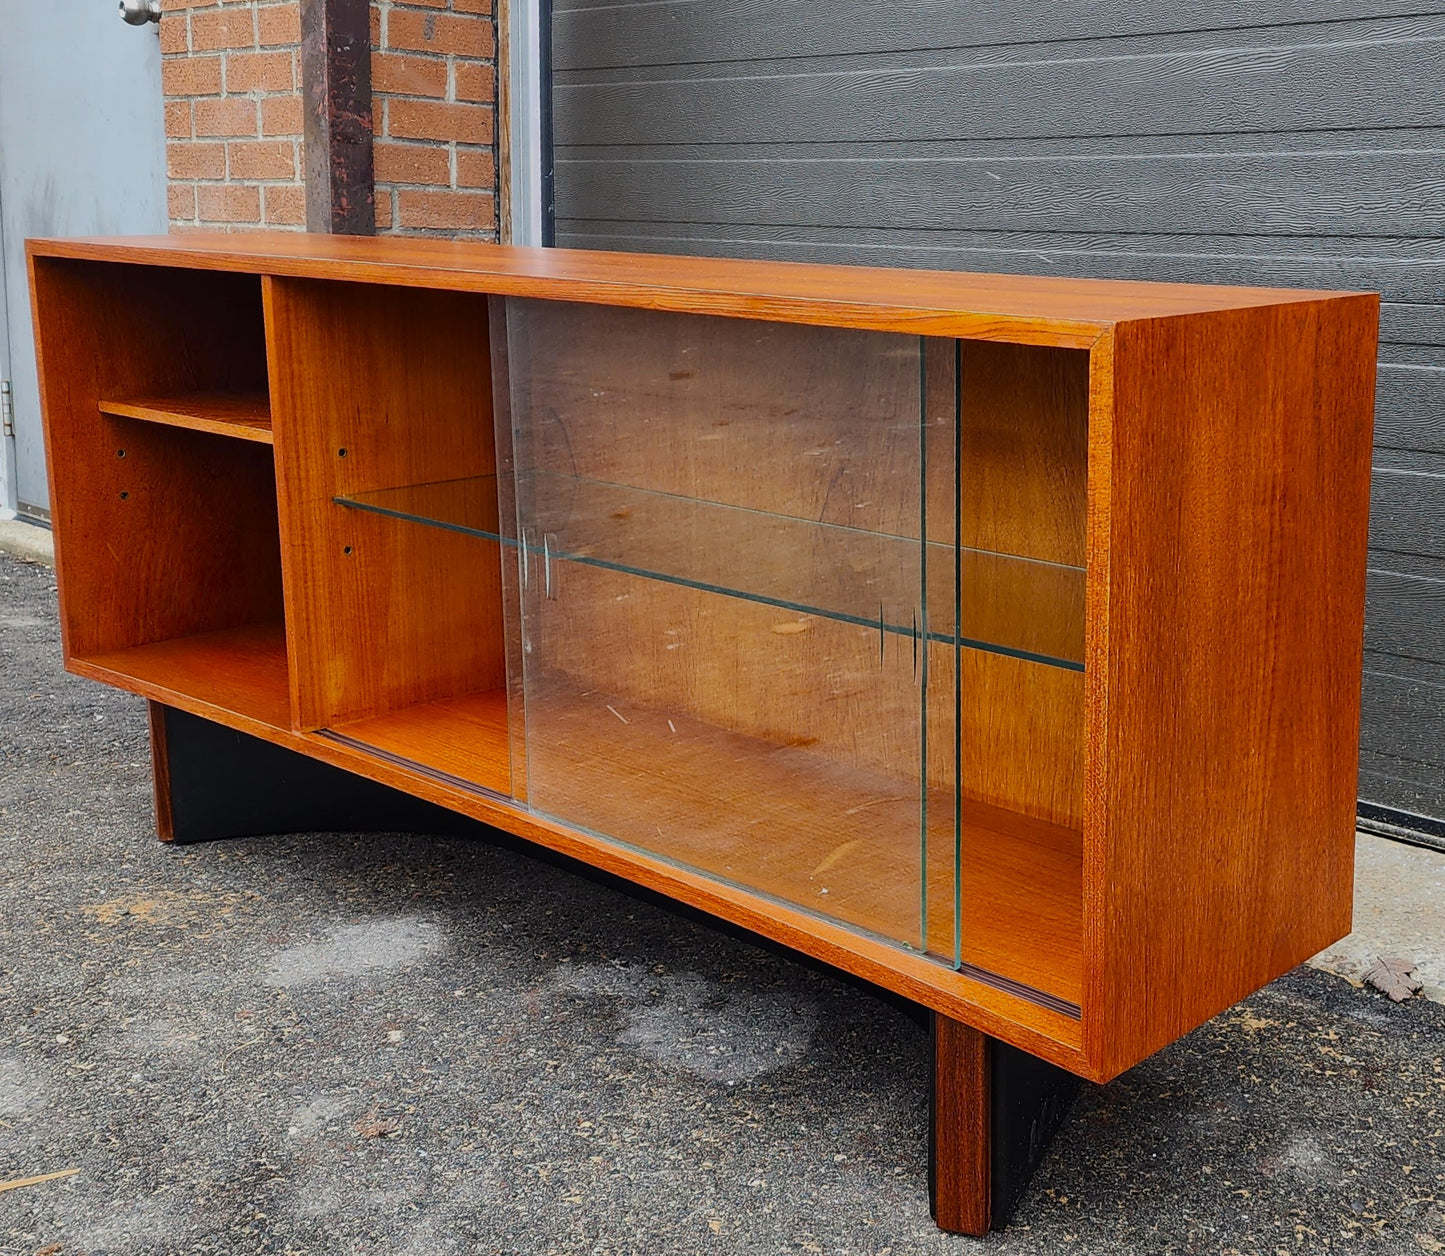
(994, 1111)
(213, 782)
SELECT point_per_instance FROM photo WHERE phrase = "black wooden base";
(1031, 1097)
(212, 782)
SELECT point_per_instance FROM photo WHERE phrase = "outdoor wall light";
(139, 12)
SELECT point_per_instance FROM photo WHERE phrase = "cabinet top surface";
(1034, 308)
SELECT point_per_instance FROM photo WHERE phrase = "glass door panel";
(941, 698)
(1022, 463)
(719, 528)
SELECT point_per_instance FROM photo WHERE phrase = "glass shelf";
(1011, 605)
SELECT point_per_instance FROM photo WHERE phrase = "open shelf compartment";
(240, 670)
(169, 530)
(399, 642)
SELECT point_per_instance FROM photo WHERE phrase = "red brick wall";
(231, 74)
(433, 83)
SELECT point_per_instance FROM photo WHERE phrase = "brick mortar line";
(235, 183)
(426, 54)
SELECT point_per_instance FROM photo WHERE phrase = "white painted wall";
(82, 152)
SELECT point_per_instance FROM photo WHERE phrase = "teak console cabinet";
(994, 639)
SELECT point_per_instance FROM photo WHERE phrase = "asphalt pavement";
(332, 1043)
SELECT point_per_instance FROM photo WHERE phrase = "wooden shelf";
(459, 740)
(842, 841)
(236, 669)
(245, 416)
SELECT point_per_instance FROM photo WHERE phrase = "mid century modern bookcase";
(996, 640)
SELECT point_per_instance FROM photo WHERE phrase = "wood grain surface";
(160, 772)
(235, 669)
(962, 1133)
(244, 416)
(1071, 312)
(159, 532)
(1151, 838)
(375, 388)
(1219, 828)
(464, 739)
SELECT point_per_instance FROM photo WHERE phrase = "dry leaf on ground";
(1394, 977)
(374, 1126)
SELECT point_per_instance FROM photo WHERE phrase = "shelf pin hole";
(346, 549)
(120, 453)
(124, 496)
(341, 453)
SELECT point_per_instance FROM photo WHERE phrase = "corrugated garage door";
(1283, 142)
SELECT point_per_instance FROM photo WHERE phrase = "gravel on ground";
(332, 1043)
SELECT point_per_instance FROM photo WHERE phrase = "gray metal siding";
(1297, 142)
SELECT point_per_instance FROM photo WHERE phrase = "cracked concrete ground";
(1399, 911)
(330, 1043)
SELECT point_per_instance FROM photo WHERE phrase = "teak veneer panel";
(1219, 839)
(1021, 308)
(1023, 424)
(461, 739)
(373, 388)
(962, 1137)
(245, 416)
(235, 669)
(159, 532)
(1228, 443)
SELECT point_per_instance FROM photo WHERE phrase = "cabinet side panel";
(159, 532)
(385, 614)
(1240, 501)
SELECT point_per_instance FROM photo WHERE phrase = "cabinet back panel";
(386, 614)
